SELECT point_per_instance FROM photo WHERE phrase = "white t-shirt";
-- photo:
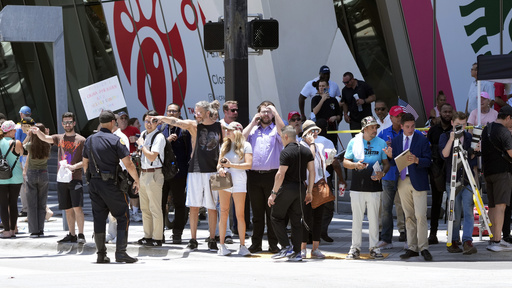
(383, 124)
(310, 91)
(234, 158)
(158, 146)
(125, 141)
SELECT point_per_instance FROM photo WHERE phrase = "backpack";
(5, 168)
(169, 165)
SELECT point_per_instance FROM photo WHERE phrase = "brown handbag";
(321, 194)
(218, 182)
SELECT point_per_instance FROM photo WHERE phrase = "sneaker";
(144, 241)
(228, 240)
(376, 254)
(68, 239)
(192, 245)
(285, 252)
(354, 253)
(153, 243)
(81, 238)
(212, 245)
(135, 217)
(454, 248)
(304, 253)
(384, 245)
(223, 250)
(243, 251)
(507, 246)
(469, 248)
(295, 257)
(317, 254)
(494, 246)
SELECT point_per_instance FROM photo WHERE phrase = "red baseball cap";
(396, 111)
(290, 115)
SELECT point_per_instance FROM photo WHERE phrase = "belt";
(264, 171)
(151, 169)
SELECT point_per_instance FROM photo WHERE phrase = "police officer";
(101, 155)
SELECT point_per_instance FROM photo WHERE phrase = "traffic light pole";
(236, 63)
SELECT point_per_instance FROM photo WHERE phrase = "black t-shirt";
(433, 135)
(206, 152)
(290, 157)
(329, 108)
(107, 149)
(492, 159)
(363, 90)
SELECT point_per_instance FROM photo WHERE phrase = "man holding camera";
(101, 155)
(463, 199)
(496, 164)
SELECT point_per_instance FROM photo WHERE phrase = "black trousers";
(259, 187)
(328, 208)
(313, 218)
(506, 221)
(437, 201)
(177, 188)
(9, 194)
(105, 198)
(288, 206)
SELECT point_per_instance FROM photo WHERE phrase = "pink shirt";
(488, 117)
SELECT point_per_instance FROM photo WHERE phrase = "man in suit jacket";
(413, 185)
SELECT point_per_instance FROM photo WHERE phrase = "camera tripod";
(460, 157)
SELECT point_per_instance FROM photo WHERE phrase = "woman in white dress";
(235, 158)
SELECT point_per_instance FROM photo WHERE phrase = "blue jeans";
(37, 196)
(388, 197)
(463, 203)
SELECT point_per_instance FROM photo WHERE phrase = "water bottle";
(359, 107)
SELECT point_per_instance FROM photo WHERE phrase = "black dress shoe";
(426, 255)
(432, 239)
(102, 258)
(326, 238)
(255, 248)
(273, 249)
(402, 237)
(176, 239)
(409, 253)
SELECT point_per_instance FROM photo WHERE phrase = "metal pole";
(501, 26)
(434, 67)
(236, 62)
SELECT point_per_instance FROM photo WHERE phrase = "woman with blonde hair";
(235, 158)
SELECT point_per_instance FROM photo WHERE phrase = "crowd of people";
(276, 166)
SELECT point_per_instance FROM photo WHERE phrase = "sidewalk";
(339, 230)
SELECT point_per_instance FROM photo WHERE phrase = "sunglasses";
(68, 122)
(346, 82)
(233, 110)
(173, 111)
(380, 109)
(294, 119)
(149, 122)
(315, 131)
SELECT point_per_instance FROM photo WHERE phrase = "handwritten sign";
(104, 95)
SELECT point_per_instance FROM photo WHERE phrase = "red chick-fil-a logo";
(145, 53)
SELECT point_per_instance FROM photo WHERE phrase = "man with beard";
(203, 164)
(309, 90)
(363, 152)
(265, 138)
(71, 195)
(437, 169)
(356, 99)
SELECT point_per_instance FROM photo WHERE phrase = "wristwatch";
(274, 193)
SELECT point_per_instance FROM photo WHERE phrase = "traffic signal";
(263, 34)
(213, 38)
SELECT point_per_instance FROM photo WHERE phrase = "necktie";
(403, 173)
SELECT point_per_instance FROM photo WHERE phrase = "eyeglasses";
(233, 110)
(149, 122)
(294, 119)
(68, 122)
(173, 111)
(346, 82)
(380, 109)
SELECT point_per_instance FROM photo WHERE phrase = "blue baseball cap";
(325, 69)
(25, 110)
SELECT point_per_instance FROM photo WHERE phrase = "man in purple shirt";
(264, 134)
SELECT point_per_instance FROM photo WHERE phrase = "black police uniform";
(106, 197)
